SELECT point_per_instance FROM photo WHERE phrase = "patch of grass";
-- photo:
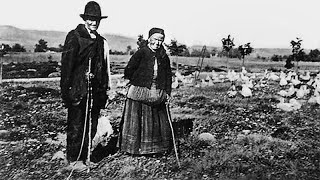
(256, 156)
(253, 139)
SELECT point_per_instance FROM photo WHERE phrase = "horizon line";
(127, 36)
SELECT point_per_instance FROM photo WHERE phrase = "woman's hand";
(168, 98)
(111, 95)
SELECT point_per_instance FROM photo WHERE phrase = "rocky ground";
(252, 139)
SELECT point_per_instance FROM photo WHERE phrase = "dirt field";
(253, 139)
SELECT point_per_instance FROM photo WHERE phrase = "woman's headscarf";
(156, 30)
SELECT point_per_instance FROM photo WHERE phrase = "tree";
(41, 46)
(227, 44)
(289, 63)
(2, 52)
(214, 51)
(245, 50)
(129, 49)
(200, 53)
(5, 47)
(175, 49)
(56, 49)
(18, 48)
(314, 55)
(185, 53)
(276, 57)
(298, 53)
(141, 41)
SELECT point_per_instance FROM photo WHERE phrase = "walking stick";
(172, 132)
(88, 113)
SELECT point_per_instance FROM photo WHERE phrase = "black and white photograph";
(161, 90)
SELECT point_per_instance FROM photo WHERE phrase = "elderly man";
(84, 62)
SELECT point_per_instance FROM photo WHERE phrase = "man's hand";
(89, 75)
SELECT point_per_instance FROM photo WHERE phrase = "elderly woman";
(145, 127)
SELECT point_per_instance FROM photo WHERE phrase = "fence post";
(1, 61)
(1, 69)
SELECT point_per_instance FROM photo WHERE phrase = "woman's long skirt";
(145, 129)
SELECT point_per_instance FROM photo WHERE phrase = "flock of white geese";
(296, 89)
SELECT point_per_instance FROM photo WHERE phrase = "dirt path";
(114, 76)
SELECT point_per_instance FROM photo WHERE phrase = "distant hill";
(28, 38)
(268, 52)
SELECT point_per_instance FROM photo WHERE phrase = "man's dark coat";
(78, 48)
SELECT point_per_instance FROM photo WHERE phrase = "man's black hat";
(92, 10)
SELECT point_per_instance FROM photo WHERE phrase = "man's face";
(92, 24)
(155, 41)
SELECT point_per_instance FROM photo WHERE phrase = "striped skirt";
(144, 129)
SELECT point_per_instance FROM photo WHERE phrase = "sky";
(263, 23)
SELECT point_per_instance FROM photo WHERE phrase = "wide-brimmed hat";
(92, 10)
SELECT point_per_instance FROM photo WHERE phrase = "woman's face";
(92, 24)
(155, 41)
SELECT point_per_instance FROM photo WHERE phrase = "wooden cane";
(88, 114)
(172, 132)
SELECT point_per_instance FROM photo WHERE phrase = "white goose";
(188, 81)
(210, 82)
(232, 92)
(292, 105)
(179, 76)
(295, 104)
(310, 82)
(306, 76)
(243, 70)
(243, 77)
(272, 76)
(316, 83)
(214, 74)
(295, 80)
(175, 83)
(203, 83)
(315, 98)
(302, 91)
(246, 91)
(289, 76)
(289, 92)
(282, 74)
(232, 75)
(283, 93)
(283, 81)
(283, 105)
(249, 83)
